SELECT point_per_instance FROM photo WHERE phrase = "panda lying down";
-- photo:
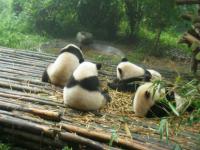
(146, 102)
(128, 75)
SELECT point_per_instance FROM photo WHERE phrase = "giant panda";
(60, 71)
(82, 91)
(146, 102)
(127, 71)
(128, 74)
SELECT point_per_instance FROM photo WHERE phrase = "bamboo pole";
(31, 85)
(16, 123)
(27, 53)
(27, 117)
(46, 114)
(38, 140)
(22, 88)
(127, 143)
(18, 55)
(30, 99)
(66, 136)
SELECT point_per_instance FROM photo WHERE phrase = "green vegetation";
(15, 29)
(4, 147)
(26, 24)
(152, 26)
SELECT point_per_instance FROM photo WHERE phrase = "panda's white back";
(129, 70)
(63, 67)
(79, 98)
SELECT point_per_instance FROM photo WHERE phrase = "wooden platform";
(32, 114)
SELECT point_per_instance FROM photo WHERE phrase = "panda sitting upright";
(128, 74)
(82, 91)
(61, 70)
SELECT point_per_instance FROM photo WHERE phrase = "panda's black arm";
(159, 109)
(45, 76)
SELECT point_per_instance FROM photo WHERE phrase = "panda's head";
(126, 70)
(75, 50)
(155, 75)
(145, 97)
(86, 70)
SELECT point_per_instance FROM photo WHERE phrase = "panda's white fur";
(155, 75)
(79, 98)
(141, 105)
(60, 71)
(130, 70)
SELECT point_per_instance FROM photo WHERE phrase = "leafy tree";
(133, 11)
(157, 16)
(101, 17)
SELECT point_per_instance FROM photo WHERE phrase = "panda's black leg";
(45, 76)
(159, 110)
(96, 113)
(114, 84)
(106, 95)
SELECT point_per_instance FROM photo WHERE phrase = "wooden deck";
(32, 113)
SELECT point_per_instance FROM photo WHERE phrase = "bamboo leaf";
(173, 109)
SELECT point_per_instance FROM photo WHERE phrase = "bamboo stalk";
(46, 114)
(27, 53)
(18, 55)
(37, 140)
(31, 85)
(24, 69)
(16, 123)
(30, 99)
(22, 88)
(20, 73)
(27, 117)
(23, 63)
(22, 66)
(78, 139)
(128, 143)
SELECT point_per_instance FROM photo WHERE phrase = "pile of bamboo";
(192, 36)
(32, 113)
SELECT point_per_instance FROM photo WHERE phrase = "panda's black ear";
(147, 94)
(120, 71)
(81, 60)
(81, 47)
(124, 59)
(170, 95)
(98, 66)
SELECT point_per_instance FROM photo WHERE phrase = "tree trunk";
(157, 41)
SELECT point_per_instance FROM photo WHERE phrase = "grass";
(4, 147)
(16, 31)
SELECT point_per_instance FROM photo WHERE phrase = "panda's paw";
(96, 113)
(107, 97)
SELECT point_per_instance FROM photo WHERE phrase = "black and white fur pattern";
(82, 91)
(128, 75)
(147, 102)
(61, 70)
(127, 71)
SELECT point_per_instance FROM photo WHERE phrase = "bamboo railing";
(32, 113)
